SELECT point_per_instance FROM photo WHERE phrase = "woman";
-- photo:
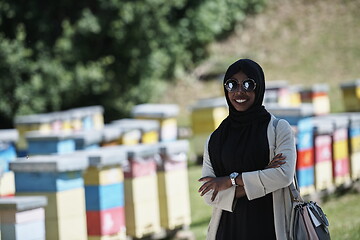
(249, 162)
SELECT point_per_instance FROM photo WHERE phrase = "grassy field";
(342, 210)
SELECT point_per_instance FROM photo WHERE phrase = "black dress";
(253, 219)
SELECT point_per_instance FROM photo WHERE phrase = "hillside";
(302, 41)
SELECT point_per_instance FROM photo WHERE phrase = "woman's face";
(241, 100)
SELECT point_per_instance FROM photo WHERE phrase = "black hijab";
(240, 142)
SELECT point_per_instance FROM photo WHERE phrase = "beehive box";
(165, 114)
(323, 130)
(49, 143)
(64, 190)
(206, 116)
(149, 129)
(20, 216)
(351, 95)
(174, 202)
(141, 191)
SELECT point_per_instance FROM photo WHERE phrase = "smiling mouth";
(240, 100)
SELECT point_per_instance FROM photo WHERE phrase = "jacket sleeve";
(224, 199)
(259, 183)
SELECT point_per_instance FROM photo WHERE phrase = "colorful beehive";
(351, 95)
(206, 116)
(292, 114)
(149, 129)
(50, 143)
(164, 113)
(305, 156)
(22, 218)
(141, 191)
(320, 99)
(323, 130)
(174, 201)
(87, 139)
(354, 145)
(59, 178)
(341, 157)
(104, 190)
(24, 124)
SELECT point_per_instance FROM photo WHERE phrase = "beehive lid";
(22, 203)
(33, 119)
(50, 163)
(155, 110)
(110, 132)
(88, 136)
(305, 109)
(141, 150)
(106, 156)
(9, 135)
(41, 136)
(174, 147)
(352, 84)
(323, 125)
(142, 124)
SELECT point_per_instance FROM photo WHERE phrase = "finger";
(205, 191)
(214, 195)
(205, 185)
(203, 179)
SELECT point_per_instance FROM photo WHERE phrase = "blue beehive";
(59, 178)
(50, 143)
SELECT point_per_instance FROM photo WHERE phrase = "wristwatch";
(232, 178)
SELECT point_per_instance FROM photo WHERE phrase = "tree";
(57, 55)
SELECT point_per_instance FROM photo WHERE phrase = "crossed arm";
(222, 183)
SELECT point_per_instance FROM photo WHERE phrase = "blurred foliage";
(56, 55)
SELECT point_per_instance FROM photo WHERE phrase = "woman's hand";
(215, 183)
(277, 161)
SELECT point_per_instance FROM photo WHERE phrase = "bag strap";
(293, 187)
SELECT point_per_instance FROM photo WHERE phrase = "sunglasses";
(232, 85)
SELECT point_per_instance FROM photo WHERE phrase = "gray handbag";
(308, 221)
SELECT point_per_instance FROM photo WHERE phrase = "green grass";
(342, 210)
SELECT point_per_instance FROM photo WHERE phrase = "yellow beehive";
(174, 201)
(64, 213)
(141, 206)
(206, 116)
(351, 96)
(103, 176)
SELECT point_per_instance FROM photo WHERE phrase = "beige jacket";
(259, 183)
